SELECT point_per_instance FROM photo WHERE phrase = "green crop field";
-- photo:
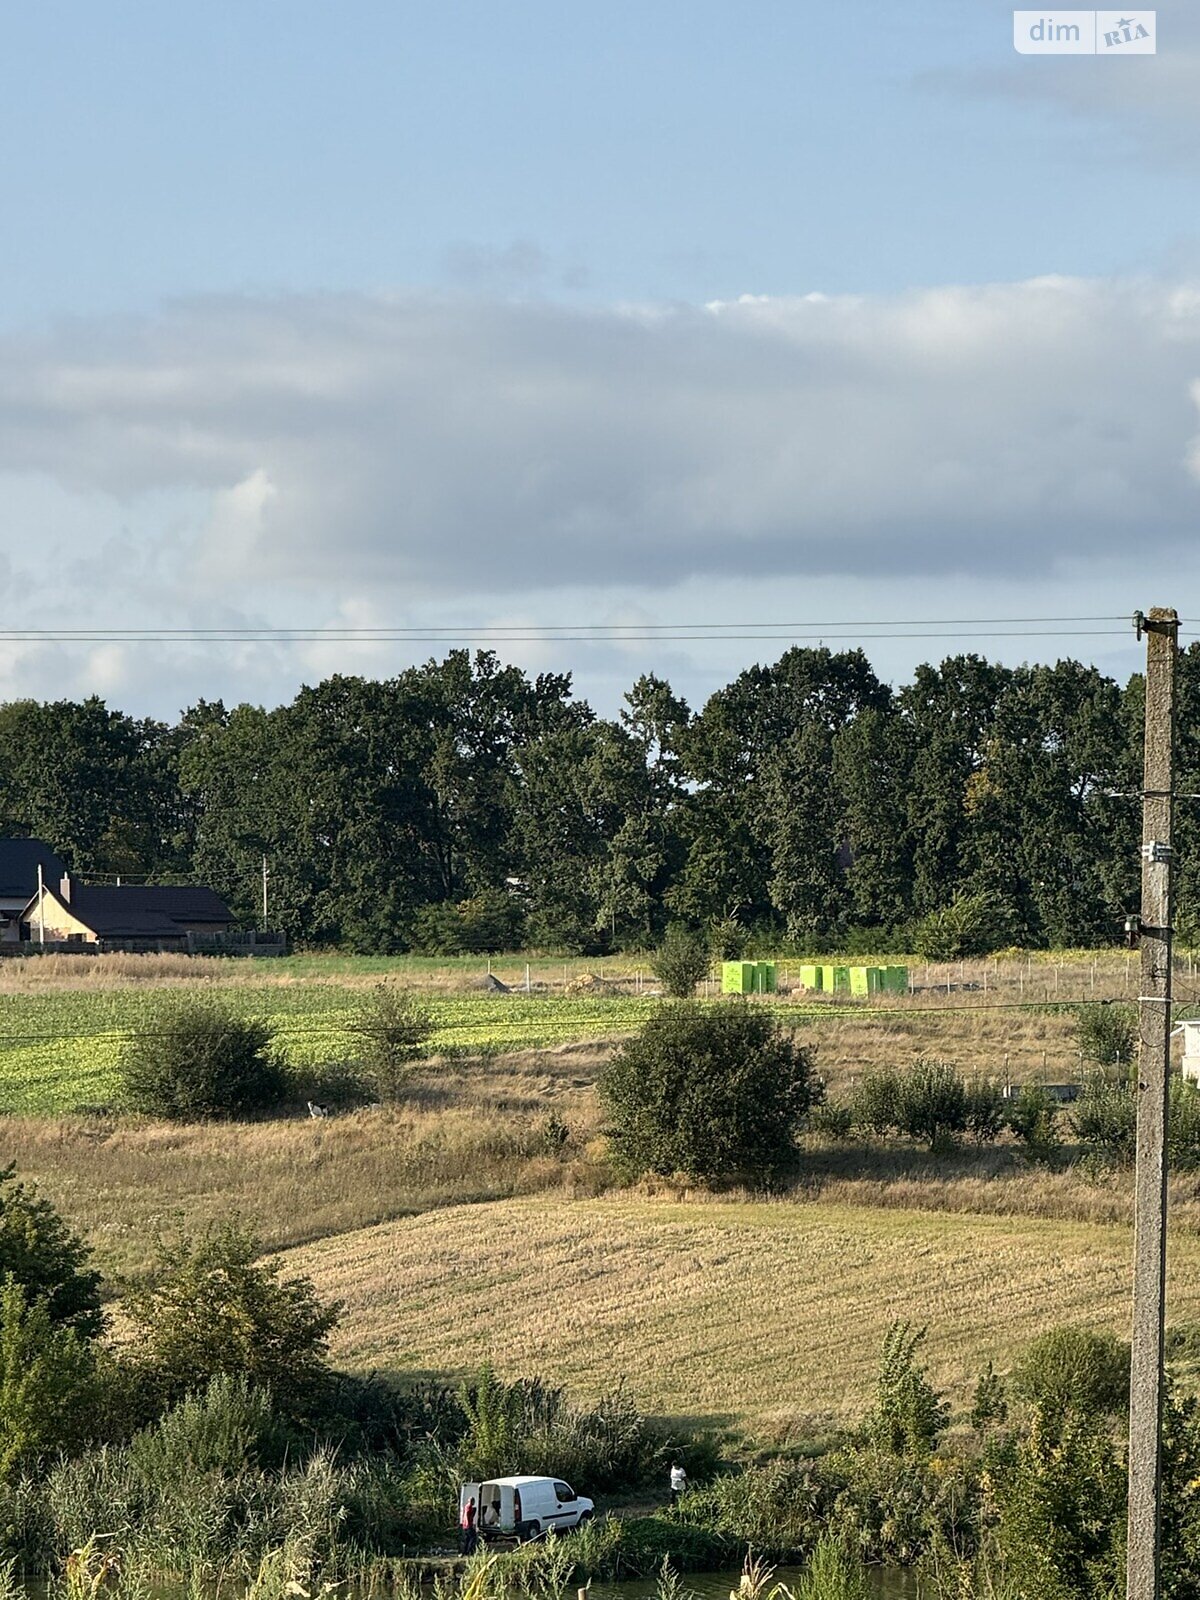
(60, 1050)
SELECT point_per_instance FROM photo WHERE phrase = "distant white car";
(524, 1507)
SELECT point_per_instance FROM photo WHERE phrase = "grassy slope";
(770, 1316)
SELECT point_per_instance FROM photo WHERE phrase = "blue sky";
(244, 242)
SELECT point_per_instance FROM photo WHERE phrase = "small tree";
(1077, 1369)
(195, 1060)
(876, 1101)
(47, 1376)
(39, 1251)
(1105, 1120)
(1032, 1117)
(391, 1030)
(214, 1309)
(1106, 1034)
(932, 1104)
(714, 1094)
(972, 925)
(681, 961)
(908, 1414)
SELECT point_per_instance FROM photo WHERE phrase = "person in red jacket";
(470, 1535)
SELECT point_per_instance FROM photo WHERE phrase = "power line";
(597, 633)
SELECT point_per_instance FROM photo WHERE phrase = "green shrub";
(1033, 1119)
(990, 1404)
(875, 1103)
(228, 1425)
(681, 961)
(40, 1252)
(47, 1382)
(212, 1309)
(714, 1094)
(391, 1028)
(1058, 1503)
(1106, 1033)
(832, 1120)
(195, 1060)
(908, 1414)
(984, 1112)
(1104, 1120)
(832, 1573)
(1074, 1369)
(932, 1103)
(529, 1426)
(775, 1508)
(972, 925)
(1183, 1124)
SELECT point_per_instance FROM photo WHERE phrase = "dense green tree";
(39, 1252)
(712, 1094)
(214, 1308)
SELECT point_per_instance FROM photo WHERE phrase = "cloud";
(429, 447)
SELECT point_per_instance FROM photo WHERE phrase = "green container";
(858, 980)
(835, 980)
(764, 977)
(737, 977)
(810, 977)
(895, 980)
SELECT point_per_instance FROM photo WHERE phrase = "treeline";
(466, 805)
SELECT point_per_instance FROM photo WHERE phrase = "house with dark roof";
(19, 863)
(152, 916)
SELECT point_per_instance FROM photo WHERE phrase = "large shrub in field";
(392, 1028)
(710, 1093)
(1107, 1034)
(1075, 1369)
(214, 1308)
(47, 1382)
(681, 961)
(196, 1060)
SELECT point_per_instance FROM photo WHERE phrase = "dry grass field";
(470, 1132)
(763, 1317)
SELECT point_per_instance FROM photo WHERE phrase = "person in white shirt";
(678, 1482)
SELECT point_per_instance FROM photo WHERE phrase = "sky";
(801, 321)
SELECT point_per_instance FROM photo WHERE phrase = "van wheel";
(584, 1518)
(528, 1530)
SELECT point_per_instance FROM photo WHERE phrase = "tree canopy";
(465, 804)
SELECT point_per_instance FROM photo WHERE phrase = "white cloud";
(325, 459)
(436, 446)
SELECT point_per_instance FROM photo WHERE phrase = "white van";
(524, 1507)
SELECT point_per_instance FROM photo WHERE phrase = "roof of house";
(142, 910)
(19, 859)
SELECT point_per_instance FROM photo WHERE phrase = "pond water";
(887, 1583)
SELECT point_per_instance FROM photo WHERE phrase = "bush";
(529, 1426)
(1183, 1124)
(1106, 1034)
(875, 1103)
(984, 1112)
(681, 961)
(932, 1104)
(47, 1381)
(832, 1120)
(1105, 1120)
(973, 925)
(196, 1060)
(775, 1508)
(213, 1310)
(908, 1415)
(391, 1028)
(39, 1252)
(714, 1094)
(1032, 1117)
(1074, 1369)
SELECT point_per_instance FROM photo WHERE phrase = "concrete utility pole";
(1161, 628)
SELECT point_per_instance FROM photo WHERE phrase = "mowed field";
(764, 1317)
